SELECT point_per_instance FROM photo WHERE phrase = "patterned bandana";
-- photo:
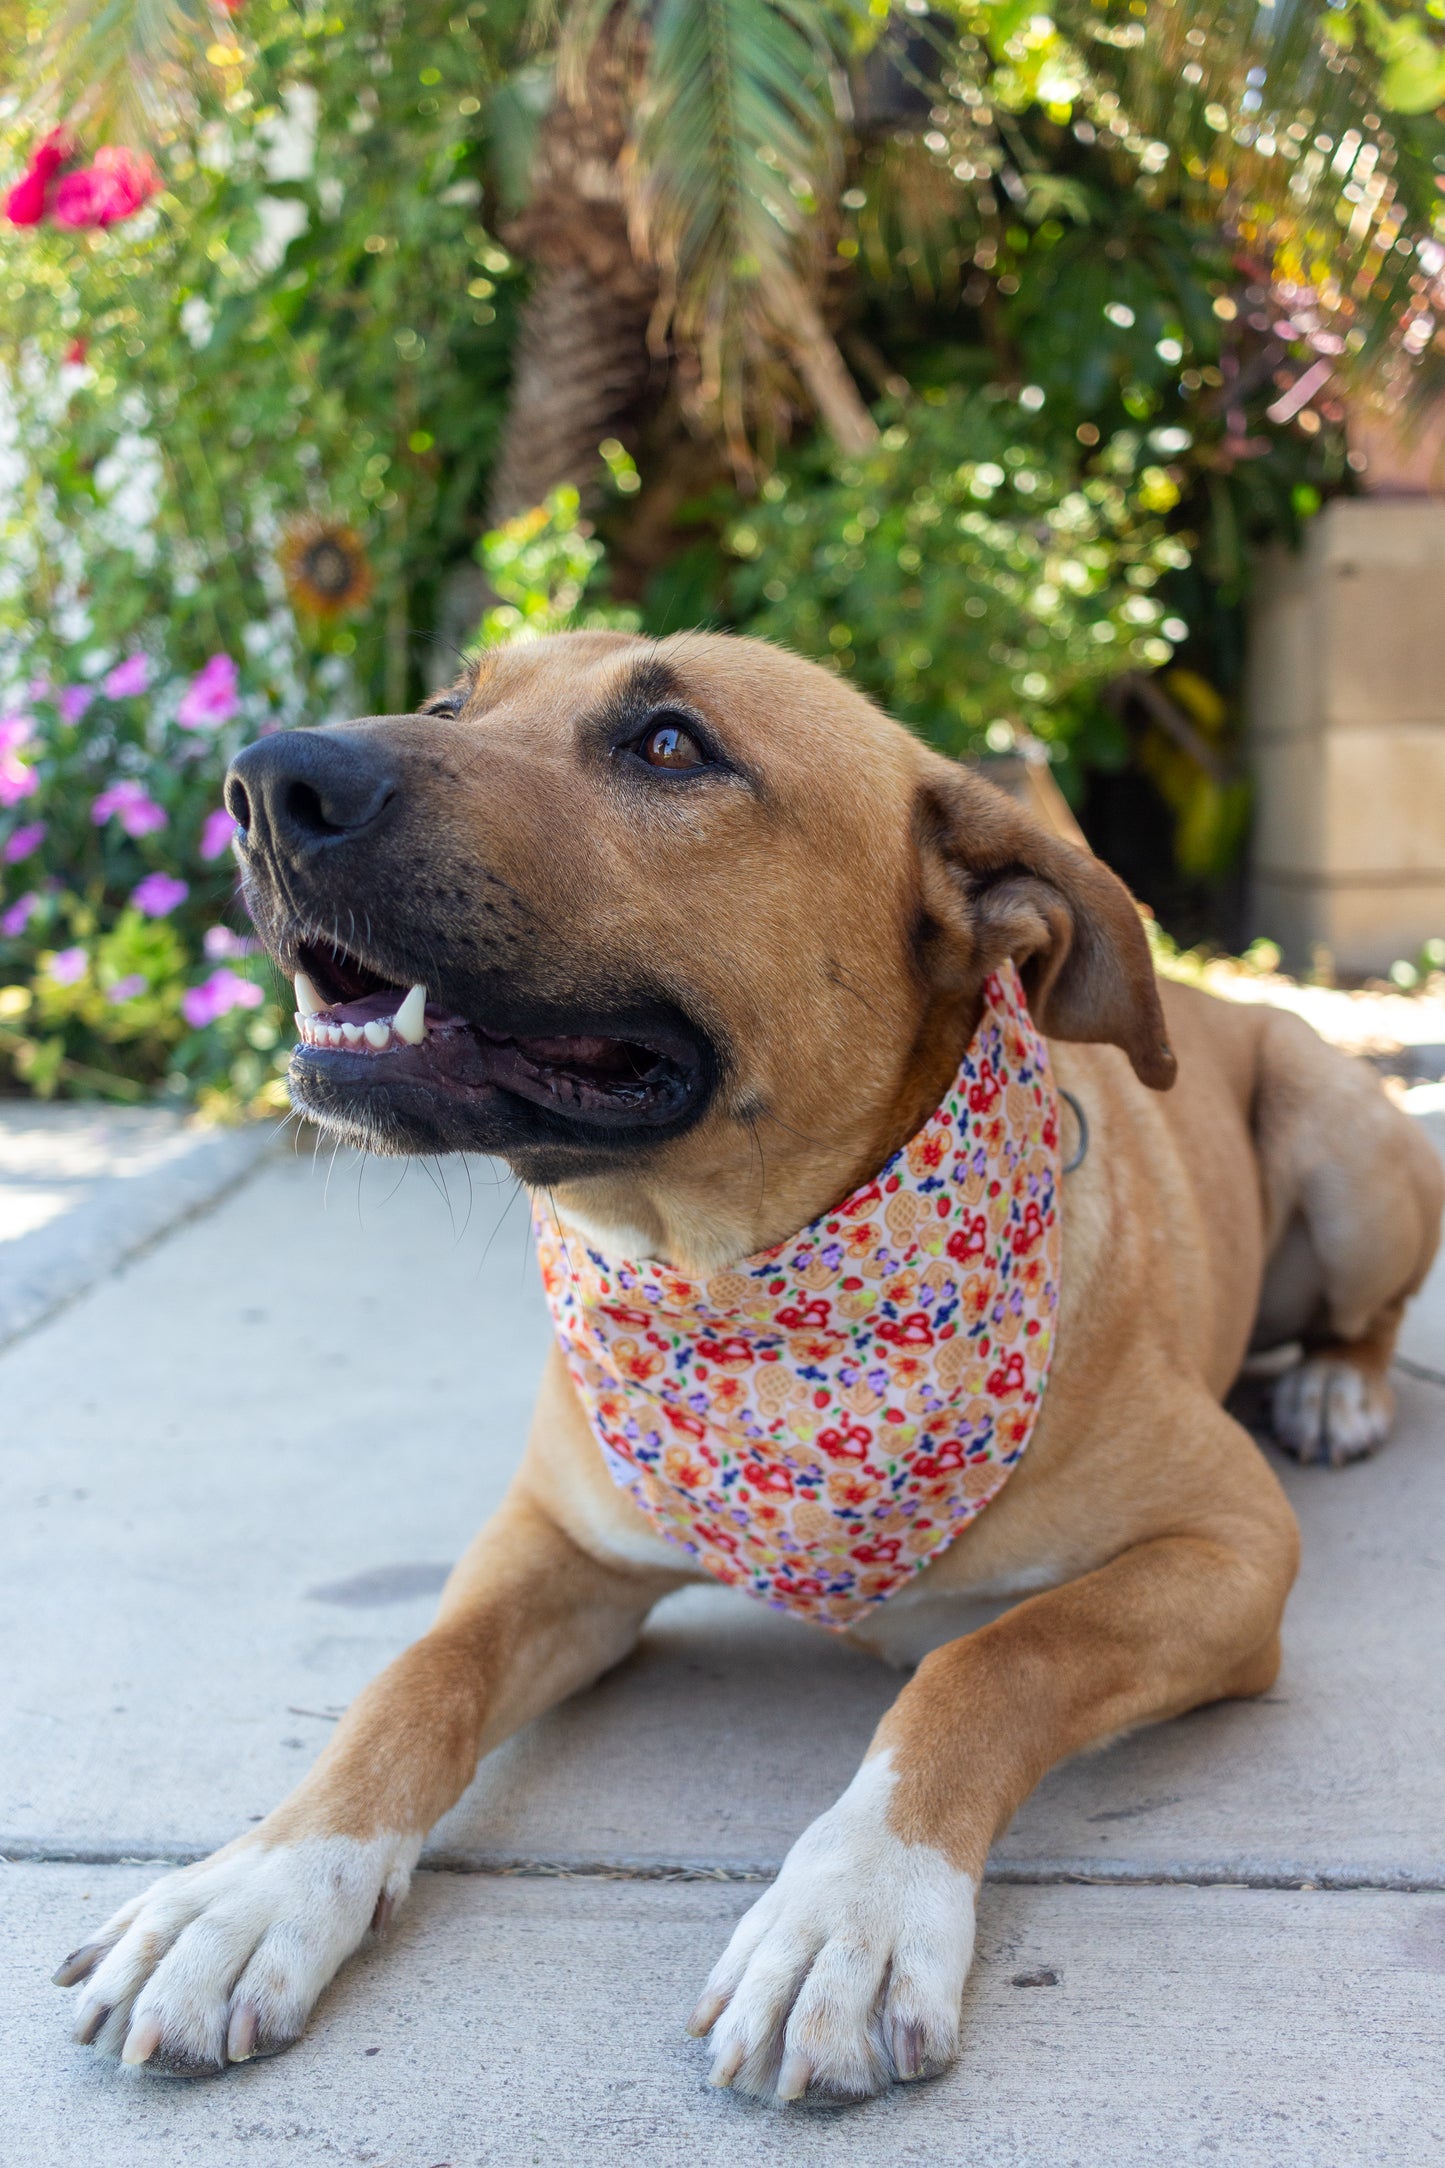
(817, 1423)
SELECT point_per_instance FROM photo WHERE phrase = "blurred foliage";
(107, 986)
(972, 573)
(311, 318)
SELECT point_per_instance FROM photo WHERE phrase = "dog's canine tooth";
(409, 1022)
(308, 1001)
(351, 1033)
(376, 1033)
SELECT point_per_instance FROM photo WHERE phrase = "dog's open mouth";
(360, 1033)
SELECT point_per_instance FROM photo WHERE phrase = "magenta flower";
(127, 988)
(67, 965)
(158, 894)
(219, 942)
(14, 921)
(129, 677)
(25, 203)
(113, 188)
(211, 697)
(217, 996)
(23, 842)
(128, 802)
(17, 778)
(74, 700)
(217, 830)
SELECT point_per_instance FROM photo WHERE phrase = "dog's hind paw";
(223, 1961)
(1330, 1411)
(849, 1972)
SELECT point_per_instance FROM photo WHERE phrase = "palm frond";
(731, 174)
(125, 68)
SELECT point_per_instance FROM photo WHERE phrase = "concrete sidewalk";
(232, 1476)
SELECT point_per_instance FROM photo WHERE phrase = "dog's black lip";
(503, 1087)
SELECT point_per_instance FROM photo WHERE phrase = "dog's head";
(702, 934)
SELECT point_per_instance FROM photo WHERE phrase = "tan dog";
(702, 937)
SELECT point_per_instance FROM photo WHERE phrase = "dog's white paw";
(222, 1961)
(850, 1971)
(1330, 1411)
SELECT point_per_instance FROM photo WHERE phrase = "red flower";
(911, 1331)
(25, 204)
(969, 1238)
(769, 1477)
(883, 1552)
(114, 188)
(1009, 1377)
(733, 1353)
(811, 1313)
(1030, 1232)
(849, 1444)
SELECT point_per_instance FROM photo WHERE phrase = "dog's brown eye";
(671, 746)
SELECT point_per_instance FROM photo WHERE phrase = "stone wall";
(1346, 703)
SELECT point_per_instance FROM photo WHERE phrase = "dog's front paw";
(224, 1960)
(1330, 1411)
(850, 1971)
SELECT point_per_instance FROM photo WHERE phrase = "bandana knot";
(817, 1423)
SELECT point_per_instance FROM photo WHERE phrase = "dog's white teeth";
(301, 1032)
(376, 1034)
(308, 1001)
(351, 1033)
(333, 1035)
(409, 1022)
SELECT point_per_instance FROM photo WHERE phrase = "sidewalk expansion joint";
(1102, 1874)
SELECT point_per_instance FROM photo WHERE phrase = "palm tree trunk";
(582, 358)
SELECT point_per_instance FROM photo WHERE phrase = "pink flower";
(128, 802)
(25, 204)
(127, 988)
(23, 842)
(74, 701)
(158, 894)
(217, 830)
(219, 941)
(17, 778)
(14, 921)
(113, 188)
(211, 697)
(217, 996)
(128, 677)
(67, 965)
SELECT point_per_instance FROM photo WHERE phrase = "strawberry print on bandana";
(817, 1423)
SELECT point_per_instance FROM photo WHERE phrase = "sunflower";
(324, 565)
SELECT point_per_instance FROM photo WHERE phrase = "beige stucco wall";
(1346, 704)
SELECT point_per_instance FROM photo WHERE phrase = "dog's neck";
(754, 1178)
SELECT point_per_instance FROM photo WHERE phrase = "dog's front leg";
(224, 1960)
(849, 1972)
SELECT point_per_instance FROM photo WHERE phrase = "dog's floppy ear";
(996, 884)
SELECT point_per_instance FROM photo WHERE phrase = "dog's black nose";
(303, 789)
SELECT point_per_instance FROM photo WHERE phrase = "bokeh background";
(999, 359)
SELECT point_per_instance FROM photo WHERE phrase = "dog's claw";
(141, 2041)
(905, 2048)
(89, 2019)
(241, 2032)
(795, 2075)
(706, 2015)
(728, 2064)
(79, 1964)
